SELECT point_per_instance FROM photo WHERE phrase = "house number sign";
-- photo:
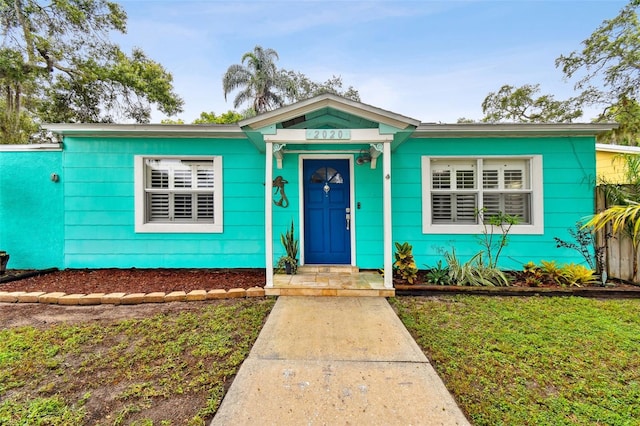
(328, 134)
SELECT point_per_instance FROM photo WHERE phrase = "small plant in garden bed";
(405, 265)
(577, 275)
(585, 244)
(549, 273)
(490, 223)
(438, 275)
(474, 272)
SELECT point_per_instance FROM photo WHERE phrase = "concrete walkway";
(336, 361)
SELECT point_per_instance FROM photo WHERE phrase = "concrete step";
(329, 280)
(332, 269)
(337, 292)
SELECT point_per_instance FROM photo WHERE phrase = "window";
(456, 188)
(178, 194)
(326, 175)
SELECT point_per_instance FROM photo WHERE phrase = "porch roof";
(320, 111)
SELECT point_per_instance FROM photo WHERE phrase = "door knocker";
(278, 184)
(326, 189)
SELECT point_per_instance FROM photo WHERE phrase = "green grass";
(127, 372)
(533, 361)
(508, 361)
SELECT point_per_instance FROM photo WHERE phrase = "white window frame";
(537, 199)
(144, 226)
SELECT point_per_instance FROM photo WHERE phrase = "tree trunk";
(635, 263)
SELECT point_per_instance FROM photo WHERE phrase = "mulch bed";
(87, 281)
(422, 287)
(615, 292)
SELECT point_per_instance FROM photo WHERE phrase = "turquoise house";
(353, 178)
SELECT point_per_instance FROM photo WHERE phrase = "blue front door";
(327, 238)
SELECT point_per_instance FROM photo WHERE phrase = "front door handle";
(348, 217)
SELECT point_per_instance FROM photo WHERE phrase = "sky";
(434, 61)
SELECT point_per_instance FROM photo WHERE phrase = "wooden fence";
(618, 254)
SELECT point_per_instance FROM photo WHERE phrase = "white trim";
(322, 151)
(537, 198)
(141, 226)
(268, 215)
(331, 101)
(352, 230)
(146, 130)
(387, 216)
(299, 136)
(481, 130)
(621, 149)
(31, 147)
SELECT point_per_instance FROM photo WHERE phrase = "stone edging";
(61, 298)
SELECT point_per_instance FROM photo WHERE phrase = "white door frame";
(352, 227)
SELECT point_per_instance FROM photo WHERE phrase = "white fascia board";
(31, 147)
(146, 130)
(619, 149)
(511, 129)
(332, 101)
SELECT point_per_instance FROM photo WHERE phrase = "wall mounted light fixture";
(364, 157)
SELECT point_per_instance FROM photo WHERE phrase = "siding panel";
(99, 201)
(568, 177)
(31, 209)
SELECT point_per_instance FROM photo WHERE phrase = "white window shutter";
(465, 208)
(205, 206)
(158, 206)
(465, 179)
(441, 208)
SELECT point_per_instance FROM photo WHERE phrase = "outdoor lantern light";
(364, 157)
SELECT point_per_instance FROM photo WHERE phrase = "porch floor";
(329, 280)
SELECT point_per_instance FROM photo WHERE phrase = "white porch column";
(268, 213)
(386, 202)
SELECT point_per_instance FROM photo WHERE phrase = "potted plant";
(289, 262)
(4, 258)
(286, 264)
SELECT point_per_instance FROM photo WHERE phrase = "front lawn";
(533, 361)
(164, 369)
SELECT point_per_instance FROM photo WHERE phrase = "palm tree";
(624, 200)
(624, 219)
(257, 80)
